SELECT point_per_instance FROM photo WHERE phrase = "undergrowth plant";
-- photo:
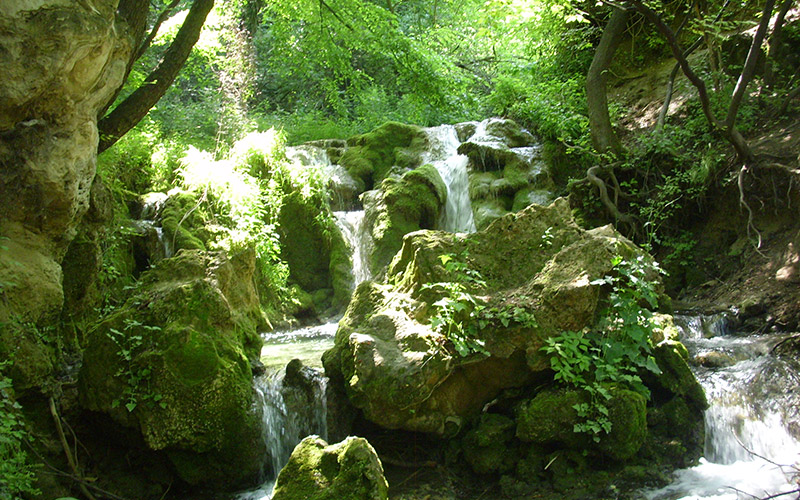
(16, 471)
(131, 344)
(460, 315)
(615, 350)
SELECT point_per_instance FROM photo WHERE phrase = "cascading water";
(150, 246)
(357, 235)
(289, 414)
(749, 452)
(452, 167)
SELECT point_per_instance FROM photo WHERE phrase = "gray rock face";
(62, 62)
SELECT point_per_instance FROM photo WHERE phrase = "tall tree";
(603, 137)
(131, 110)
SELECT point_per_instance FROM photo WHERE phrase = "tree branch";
(154, 31)
(749, 65)
(130, 111)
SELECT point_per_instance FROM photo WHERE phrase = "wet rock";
(369, 157)
(714, 359)
(174, 362)
(349, 470)
(403, 373)
(402, 205)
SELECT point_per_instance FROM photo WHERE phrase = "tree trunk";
(130, 111)
(603, 136)
(775, 41)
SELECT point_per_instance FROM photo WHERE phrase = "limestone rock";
(174, 363)
(369, 157)
(62, 62)
(504, 163)
(349, 470)
(403, 373)
(402, 205)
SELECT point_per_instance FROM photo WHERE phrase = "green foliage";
(613, 352)
(460, 315)
(16, 472)
(132, 342)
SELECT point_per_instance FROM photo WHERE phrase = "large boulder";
(403, 204)
(174, 363)
(62, 62)
(370, 157)
(550, 417)
(403, 373)
(349, 470)
(314, 249)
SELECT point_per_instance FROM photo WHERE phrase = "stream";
(748, 449)
(748, 452)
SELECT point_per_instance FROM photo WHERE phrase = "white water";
(357, 234)
(748, 450)
(443, 154)
(285, 425)
(149, 221)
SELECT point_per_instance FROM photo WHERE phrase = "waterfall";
(150, 245)
(290, 411)
(357, 235)
(452, 167)
(747, 440)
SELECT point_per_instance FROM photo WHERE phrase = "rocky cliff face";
(62, 62)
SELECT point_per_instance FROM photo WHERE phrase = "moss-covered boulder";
(403, 204)
(349, 470)
(313, 247)
(369, 157)
(183, 218)
(488, 447)
(506, 169)
(402, 372)
(174, 363)
(551, 416)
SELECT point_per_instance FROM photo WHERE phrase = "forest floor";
(754, 270)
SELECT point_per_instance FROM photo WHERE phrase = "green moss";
(303, 245)
(676, 377)
(511, 131)
(183, 222)
(177, 354)
(349, 470)
(528, 196)
(403, 205)
(370, 156)
(549, 418)
(488, 447)
(489, 210)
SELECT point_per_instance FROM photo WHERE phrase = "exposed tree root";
(70, 458)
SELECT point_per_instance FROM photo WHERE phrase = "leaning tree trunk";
(604, 138)
(130, 111)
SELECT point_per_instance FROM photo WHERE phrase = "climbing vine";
(613, 353)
